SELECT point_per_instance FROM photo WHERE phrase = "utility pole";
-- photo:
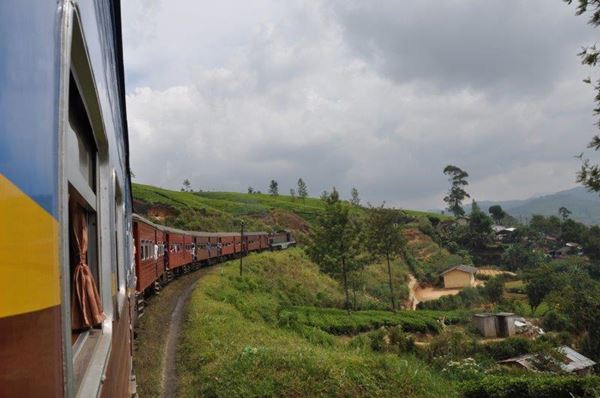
(241, 247)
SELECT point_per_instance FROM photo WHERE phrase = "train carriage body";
(149, 253)
(65, 201)
(176, 241)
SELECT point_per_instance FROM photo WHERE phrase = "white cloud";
(232, 95)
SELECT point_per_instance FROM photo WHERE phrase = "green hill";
(222, 211)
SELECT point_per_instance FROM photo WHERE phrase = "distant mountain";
(584, 205)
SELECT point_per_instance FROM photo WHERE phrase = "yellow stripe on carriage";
(29, 259)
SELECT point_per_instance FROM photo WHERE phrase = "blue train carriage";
(66, 275)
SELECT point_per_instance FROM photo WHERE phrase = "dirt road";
(419, 294)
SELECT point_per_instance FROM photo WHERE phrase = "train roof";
(164, 228)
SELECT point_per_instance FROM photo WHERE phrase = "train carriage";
(177, 253)
(148, 254)
(64, 180)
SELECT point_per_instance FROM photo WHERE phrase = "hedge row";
(336, 321)
(540, 386)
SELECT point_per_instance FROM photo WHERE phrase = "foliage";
(456, 193)
(354, 197)
(274, 188)
(228, 347)
(532, 386)
(520, 257)
(494, 289)
(340, 322)
(540, 282)
(564, 213)
(477, 236)
(547, 225)
(467, 298)
(302, 189)
(589, 174)
(497, 213)
(384, 240)
(334, 241)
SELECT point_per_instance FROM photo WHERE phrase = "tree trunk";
(389, 266)
(346, 284)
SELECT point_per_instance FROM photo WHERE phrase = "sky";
(377, 95)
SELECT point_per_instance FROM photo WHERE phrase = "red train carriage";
(161, 242)
(147, 253)
(253, 240)
(177, 256)
(213, 245)
(228, 243)
(201, 244)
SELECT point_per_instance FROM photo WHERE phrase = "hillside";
(222, 211)
(584, 205)
(279, 332)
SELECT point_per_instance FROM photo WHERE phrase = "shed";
(486, 324)
(505, 324)
(459, 277)
(572, 362)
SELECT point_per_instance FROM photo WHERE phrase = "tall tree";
(589, 174)
(186, 186)
(274, 188)
(293, 193)
(480, 228)
(564, 213)
(456, 193)
(384, 240)
(302, 189)
(497, 213)
(354, 198)
(250, 190)
(334, 241)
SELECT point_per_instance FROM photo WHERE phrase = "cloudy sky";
(380, 95)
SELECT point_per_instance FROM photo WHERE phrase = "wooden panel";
(31, 354)
(118, 372)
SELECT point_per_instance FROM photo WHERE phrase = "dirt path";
(417, 294)
(169, 376)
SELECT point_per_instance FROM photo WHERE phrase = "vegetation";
(274, 188)
(384, 239)
(334, 242)
(532, 386)
(241, 338)
(457, 193)
(302, 189)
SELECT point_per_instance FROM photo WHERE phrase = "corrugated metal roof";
(573, 360)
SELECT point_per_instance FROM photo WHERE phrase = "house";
(503, 233)
(569, 249)
(570, 362)
(459, 277)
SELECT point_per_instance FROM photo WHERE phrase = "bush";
(554, 320)
(508, 348)
(532, 386)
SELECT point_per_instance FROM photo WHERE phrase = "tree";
(589, 174)
(250, 190)
(494, 289)
(456, 193)
(573, 231)
(334, 242)
(519, 257)
(293, 193)
(564, 213)
(355, 199)
(302, 189)
(540, 282)
(497, 213)
(274, 188)
(547, 225)
(480, 227)
(186, 186)
(384, 240)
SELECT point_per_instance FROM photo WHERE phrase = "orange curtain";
(86, 306)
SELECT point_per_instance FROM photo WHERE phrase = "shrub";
(554, 320)
(532, 386)
(508, 348)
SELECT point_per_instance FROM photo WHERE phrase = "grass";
(237, 341)
(214, 211)
(152, 330)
